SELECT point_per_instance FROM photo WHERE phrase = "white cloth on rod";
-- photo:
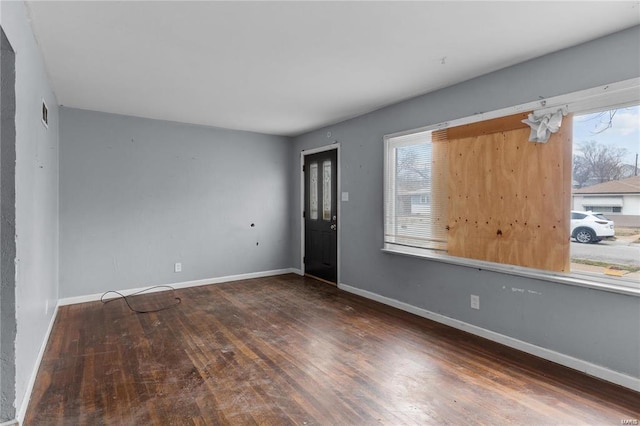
(542, 127)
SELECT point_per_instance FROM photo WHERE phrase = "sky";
(623, 133)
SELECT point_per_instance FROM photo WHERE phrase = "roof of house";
(625, 186)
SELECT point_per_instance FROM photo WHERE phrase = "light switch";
(345, 196)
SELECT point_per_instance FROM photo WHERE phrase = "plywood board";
(487, 127)
(509, 199)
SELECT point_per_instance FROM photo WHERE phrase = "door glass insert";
(313, 191)
(326, 190)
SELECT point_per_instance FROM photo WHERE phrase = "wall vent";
(45, 114)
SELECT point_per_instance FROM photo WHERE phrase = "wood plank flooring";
(290, 350)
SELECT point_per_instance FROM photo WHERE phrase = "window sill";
(576, 279)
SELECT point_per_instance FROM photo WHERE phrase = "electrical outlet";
(475, 301)
(46, 307)
(177, 267)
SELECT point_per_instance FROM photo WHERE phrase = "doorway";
(320, 212)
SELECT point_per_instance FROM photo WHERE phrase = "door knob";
(334, 227)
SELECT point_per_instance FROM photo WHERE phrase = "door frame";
(304, 152)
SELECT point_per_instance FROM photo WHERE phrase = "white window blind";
(415, 190)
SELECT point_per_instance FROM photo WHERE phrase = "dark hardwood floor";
(291, 350)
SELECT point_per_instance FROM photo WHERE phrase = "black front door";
(321, 215)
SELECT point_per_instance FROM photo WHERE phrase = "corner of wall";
(36, 198)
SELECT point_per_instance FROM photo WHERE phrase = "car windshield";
(601, 216)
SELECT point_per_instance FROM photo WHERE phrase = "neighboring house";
(413, 202)
(619, 199)
(629, 170)
(626, 171)
(421, 202)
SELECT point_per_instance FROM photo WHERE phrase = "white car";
(590, 227)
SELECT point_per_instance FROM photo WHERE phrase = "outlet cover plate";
(475, 301)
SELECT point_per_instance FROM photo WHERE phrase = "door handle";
(334, 227)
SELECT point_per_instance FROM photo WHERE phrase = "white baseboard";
(13, 422)
(296, 271)
(21, 411)
(184, 284)
(548, 354)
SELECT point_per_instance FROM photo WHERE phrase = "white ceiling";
(289, 67)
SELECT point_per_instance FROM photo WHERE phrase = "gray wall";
(138, 195)
(584, 323)
(36, 198)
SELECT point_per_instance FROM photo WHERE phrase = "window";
(605, 182)
(603, 209)
(326, 190)
(313, 191)
(415, 192)
(475, 190)
(484, 204)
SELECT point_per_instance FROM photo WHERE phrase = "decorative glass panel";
(313, 191)
(326, 190)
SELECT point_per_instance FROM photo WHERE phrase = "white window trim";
(581, 279)
(618, 94)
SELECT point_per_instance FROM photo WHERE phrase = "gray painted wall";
(138, 195)
(7, 230)
(596, 326)
(36, 199)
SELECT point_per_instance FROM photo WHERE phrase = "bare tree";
(581, 170)
(413, 168)
(605, 120)
(599, 162)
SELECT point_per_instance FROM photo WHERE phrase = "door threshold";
(321, 279)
